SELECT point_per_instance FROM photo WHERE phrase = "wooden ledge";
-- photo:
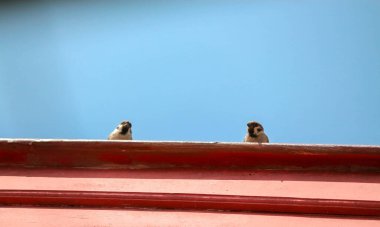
(180, 201)
(147, 154)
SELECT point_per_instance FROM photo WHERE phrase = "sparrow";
(122, 132)
(255, 133)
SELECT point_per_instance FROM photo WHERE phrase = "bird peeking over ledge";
(122, 132)
(255, 133)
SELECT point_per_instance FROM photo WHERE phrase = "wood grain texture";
(196, 176)
(144, 154)
(178, 201)
(90, 217)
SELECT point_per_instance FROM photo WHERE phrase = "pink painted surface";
(47, 217)
(274, 170)
(227, 182)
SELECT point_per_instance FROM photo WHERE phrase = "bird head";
(124, 127)
(254, 129)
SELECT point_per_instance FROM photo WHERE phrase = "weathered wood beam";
(147, 154)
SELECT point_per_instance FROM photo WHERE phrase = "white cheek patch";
(256, 130)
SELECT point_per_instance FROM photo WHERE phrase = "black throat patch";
(251, 132)
(124, 130)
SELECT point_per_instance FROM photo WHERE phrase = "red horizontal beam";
(140, 154)
(188, 202)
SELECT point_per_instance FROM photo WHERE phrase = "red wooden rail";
(139, 154)
(18, 154)
(179, 201)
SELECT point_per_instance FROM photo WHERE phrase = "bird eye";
(259, 129)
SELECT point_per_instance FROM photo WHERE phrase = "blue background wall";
(180, 70)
